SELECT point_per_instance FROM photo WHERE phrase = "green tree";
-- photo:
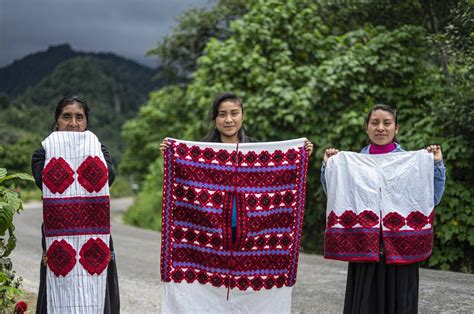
(300, 76)
(177, 53)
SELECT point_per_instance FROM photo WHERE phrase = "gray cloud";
(126, 27)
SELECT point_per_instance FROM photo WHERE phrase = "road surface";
(319, 287)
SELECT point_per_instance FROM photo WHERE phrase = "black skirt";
(382, 288)
(112, 297)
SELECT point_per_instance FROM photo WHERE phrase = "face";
(72, 118)
(229, 121)
(381, 127)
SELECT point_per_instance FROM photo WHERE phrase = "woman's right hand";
(331, 151)
(164, 146)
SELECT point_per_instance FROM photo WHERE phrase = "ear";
(396, 128)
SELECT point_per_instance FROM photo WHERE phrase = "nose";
(74, 122)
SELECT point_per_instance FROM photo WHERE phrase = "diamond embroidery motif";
(61, 257)
(95, 256)
(417, 220)
(58, 175)
(92, 174)
(393, 221)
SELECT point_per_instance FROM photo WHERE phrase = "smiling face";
(229, 121)
(381, 127)
(72, 118)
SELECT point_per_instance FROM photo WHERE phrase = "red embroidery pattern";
(348, 219)
(361, 244)
(229, 177)
(352, 244)
(95, 256)
(393, 221)
(417, 220)
(61, 257)
(199, 187)
(405, 247)
(92, 174)
(265, 201)
(243, 282)
(222, 157)
(58, 175)
(76, 215)
(281, 220)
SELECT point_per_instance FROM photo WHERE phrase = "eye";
(80, 117)
(66, 116)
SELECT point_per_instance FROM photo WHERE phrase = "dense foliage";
(10, 203)
(314, 69)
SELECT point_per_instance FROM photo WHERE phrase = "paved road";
(319, 288)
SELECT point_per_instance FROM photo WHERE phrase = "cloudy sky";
(126, 27)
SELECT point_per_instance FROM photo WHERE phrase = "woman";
(72, 114)
(380, 287)
(228, 115)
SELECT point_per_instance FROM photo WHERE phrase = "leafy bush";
(146, 211)
(121, 187)
(10, 203)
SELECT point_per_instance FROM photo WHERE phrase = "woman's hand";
(331, 151)
(308, 146)
(164, 146)
(436, 150)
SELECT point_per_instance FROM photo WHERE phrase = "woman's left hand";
(308, 146)
(436, 150)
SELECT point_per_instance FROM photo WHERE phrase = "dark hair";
(214, 135)
(383, 107)
(226, 96)
(69, 100)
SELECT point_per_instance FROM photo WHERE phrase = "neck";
(382, 149)
(230, 140)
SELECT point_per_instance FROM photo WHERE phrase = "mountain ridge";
(27, 71)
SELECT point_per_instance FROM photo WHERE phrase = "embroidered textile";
(76, 215)
(369, 194)
(201, 180)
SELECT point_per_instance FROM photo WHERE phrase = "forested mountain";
(114, 88)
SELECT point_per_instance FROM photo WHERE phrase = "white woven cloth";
(78, 291)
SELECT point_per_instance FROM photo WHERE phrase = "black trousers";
(382, 288)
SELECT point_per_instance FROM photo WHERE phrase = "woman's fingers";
(164, 145)
(436, 150)
(308, 146)
(331, 151)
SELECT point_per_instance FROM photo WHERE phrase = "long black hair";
(68, 100)
(214, 135)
